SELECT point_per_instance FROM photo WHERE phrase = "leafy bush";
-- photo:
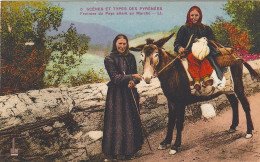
(230, 35)
(67, 51)
(23, 48)
(90, 77)
(245, 15)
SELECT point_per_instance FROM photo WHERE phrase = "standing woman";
(199, 70)
(122, 124)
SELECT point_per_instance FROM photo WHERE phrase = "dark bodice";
(185, 32)
(120, 68)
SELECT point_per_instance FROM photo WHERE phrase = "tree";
(67, 50)
(84, 43)
(23, 49)
(245, 15)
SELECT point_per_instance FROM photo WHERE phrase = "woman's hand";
(137, 76)
(131, 84)
(181, 50)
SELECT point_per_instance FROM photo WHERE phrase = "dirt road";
(208, 140)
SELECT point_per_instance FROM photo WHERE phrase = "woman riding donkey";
(174, 80)
(200, 70)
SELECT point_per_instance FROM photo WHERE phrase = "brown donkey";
(176, 88)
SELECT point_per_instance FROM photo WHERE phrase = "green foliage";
(245, 15)
(90, 77)
(230, 35)
(23, 65)
(27, 21)
(83, 43)
(26, 51)
(221, 33)
(67, 50)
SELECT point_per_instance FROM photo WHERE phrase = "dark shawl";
(185, 32)
(184, 35)
(122, 125)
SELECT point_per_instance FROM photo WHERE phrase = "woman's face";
(121, 45)
(194, 16)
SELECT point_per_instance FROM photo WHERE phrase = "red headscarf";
(189, 22)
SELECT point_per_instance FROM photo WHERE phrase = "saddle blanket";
(226, 85)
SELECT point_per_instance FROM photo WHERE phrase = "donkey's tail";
(253, 73)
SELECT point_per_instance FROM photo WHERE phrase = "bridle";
(178, 56)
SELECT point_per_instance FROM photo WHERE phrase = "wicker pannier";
(228, 60)
(227, 57)
(225, 51)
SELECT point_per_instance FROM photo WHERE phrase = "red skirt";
(199, 69)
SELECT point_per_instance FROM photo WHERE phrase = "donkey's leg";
(179, 124)
(171, 122)
(239, 90)
(234, 104)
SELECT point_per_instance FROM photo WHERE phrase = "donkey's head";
(150, 56)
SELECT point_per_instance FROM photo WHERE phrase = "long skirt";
(199, 69)
(122, 124)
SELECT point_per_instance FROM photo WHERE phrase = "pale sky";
(165, 18)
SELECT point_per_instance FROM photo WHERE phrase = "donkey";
(176, 87)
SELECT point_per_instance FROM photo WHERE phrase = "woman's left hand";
(131, 84)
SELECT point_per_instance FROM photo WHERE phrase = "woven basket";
(225, 51)
(227, 57)
(228, 60)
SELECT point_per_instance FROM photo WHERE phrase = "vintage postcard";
(130, 81)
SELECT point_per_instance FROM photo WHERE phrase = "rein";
(179, 55)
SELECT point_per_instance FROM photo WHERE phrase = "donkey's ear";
(137, 48)
(162, 41)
